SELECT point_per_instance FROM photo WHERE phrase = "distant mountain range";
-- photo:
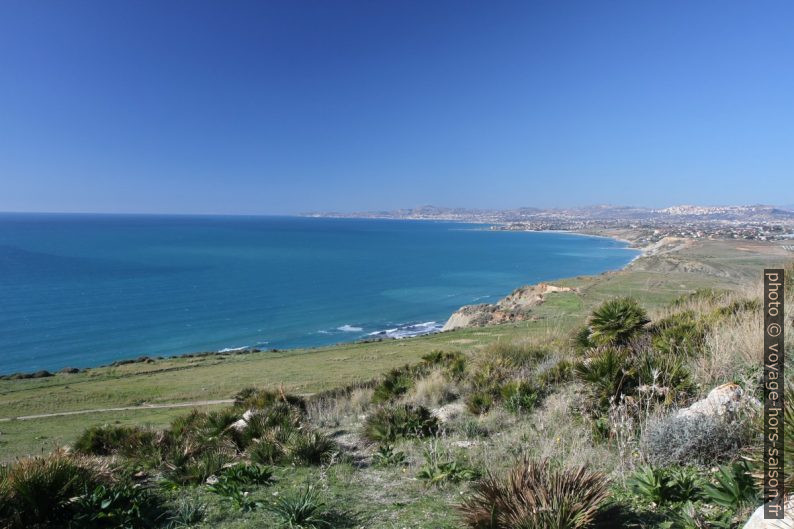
(673, 214)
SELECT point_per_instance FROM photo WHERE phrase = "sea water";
(85, 290)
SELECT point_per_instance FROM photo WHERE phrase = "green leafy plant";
(115, 506)
(439, 468)
(37, 491)
(259, 398)
(186, 512)
(518, 396)
(395, 383)
(235, 495)
(388, 456)
(608, 373)
(616, 321)
(733, 487)
(536, 495)
(386, 425)
(479, 402)
(110, 439)
(312, 448)
(302, 510)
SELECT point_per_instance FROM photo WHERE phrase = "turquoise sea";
(85, 290)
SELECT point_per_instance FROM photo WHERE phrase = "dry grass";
(432, 391)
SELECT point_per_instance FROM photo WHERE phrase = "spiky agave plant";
(535, 495)
(616, 321)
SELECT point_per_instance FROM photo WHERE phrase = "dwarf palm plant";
(616, 321)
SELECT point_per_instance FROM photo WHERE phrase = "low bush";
(479, 402)
(518, 396)
(661, 486)
(395, 384)
(732, 487)
(518, 354)
(118, 505)
(536, 495)
(65, 490)
(107, 440)
(388, 456)
(682, 334)
(312, 448)
(616, 321)
(388, 424)
(258, 398)
(440, 468)
(303, 510)
(557, 373)
(704, 440)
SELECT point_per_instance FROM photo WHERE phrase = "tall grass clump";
(536, 495)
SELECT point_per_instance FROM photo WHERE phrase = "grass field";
(655, 280)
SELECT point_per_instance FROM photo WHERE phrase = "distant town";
(641, 226)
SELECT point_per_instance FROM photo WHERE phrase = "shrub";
(560, 372)
(705, 440)
(439, 468)
(607, 372)
(36, 491)
(123, 440)
(302, 510)
(518, 396)
(235, 495)
(536, 496)
(64, 490)
(580, 339)
(516, 354)
(270, 449)
(616, 321)
(665, 485)
(117, 505)
(681, 334)
(388, 424)
(184, 469)
(276, 416)
(244, 474)
(479, 402)
(453, 364)
(186, 512)
(664, 375)
(732, 488)
(254, 398)
(395, 384)
(387, 456)
(312, 448)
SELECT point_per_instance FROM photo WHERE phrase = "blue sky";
(281, 107)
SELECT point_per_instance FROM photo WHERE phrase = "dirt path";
(125, 408)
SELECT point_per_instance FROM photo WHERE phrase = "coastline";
(378, 336)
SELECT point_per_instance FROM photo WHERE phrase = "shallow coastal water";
(84, 290)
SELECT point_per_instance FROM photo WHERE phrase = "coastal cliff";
(517, 306)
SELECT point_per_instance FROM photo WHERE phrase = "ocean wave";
(410, 329)
(349, 328)
(233, 349)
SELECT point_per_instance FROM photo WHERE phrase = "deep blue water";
(84, 290)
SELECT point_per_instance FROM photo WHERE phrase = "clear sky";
(289, 106)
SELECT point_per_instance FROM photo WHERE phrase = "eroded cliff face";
(514, 307)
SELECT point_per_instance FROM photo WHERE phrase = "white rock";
(757, 521)
(723, 401)
(449, 411)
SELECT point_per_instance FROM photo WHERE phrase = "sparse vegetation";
(401, 446)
